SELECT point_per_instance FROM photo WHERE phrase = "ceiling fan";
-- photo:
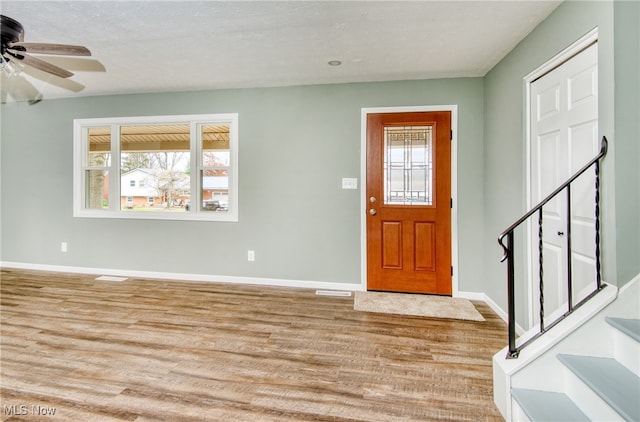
(15, 50)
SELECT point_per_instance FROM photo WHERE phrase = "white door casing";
(454, 172)
(563, 136)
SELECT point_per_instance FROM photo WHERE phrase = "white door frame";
(454, 185)
(565, 55)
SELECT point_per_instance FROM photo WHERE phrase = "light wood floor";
(143, 350)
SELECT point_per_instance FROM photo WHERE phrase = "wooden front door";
(409, 202)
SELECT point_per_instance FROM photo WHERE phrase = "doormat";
(416, 305)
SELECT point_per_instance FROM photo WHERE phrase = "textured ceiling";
(156, 46)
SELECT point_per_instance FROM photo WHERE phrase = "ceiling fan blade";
(58, 49)
(39, 64)
(64, 83)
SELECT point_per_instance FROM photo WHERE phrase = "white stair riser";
(583, 333)
(587, 400)
(627, 351)
(541, 375)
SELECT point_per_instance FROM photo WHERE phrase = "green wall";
(504, 145)
(627, 137)
(296, 144)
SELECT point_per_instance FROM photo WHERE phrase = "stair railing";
(509, 255)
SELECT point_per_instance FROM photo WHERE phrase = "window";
(169, 167)
(408, 162)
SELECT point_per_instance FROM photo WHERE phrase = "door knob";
(560, 234)
(372, 199)
(372, 211)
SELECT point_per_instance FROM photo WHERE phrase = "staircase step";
(547, 406)
(630, 327)
(615, 384)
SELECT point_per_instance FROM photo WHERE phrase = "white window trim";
(80, 127)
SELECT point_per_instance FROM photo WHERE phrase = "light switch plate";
(349, 183)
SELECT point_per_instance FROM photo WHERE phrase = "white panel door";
(564, 137)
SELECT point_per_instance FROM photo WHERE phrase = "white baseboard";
(486, 299)
(261, 281)
(304, 284)
(472, 296)
(629, 283)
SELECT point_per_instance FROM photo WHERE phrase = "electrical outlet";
(63, 247)
(251, 255)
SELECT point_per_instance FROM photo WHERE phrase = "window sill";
(156, 215)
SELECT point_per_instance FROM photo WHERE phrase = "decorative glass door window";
(408, 165)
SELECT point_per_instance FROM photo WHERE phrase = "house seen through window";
(176, 167)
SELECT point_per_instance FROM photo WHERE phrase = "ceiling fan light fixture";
(15, 50)
(9, 68)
